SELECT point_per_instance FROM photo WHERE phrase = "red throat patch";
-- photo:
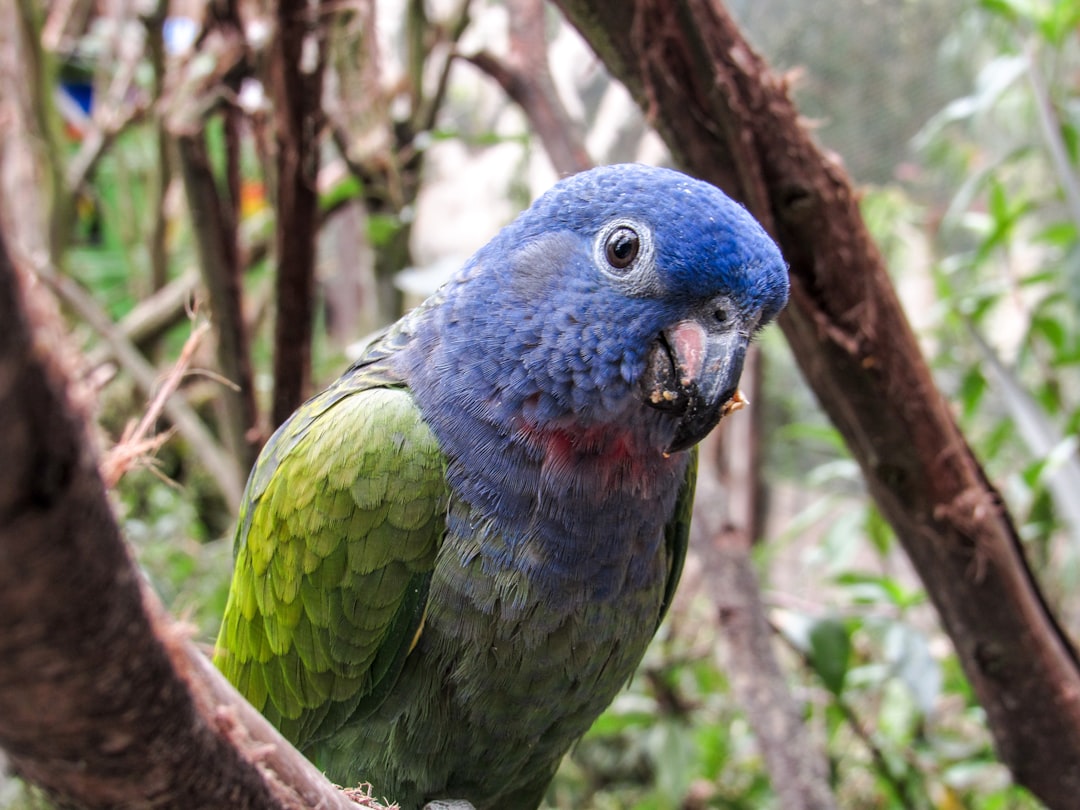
(609, 457)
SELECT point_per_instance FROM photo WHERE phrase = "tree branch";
(152, 316)
(723, 534)
(525, 76)
(297, 60)
(797, 769)
(214, 227)
(728, 119)
(221, 467)
(103, 702)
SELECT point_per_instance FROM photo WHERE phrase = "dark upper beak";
(692, 371)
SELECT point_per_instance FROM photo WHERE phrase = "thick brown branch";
(296, 64)
(797, 770)
(102, 701)
(728, 119)
(214, 225)
(525, 76)
(724, 522)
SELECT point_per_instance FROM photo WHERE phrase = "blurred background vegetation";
(961, 122)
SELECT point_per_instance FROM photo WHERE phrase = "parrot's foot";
(449, 804)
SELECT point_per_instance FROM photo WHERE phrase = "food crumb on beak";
(736, 403)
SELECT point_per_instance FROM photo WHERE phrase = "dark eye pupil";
(622, 247)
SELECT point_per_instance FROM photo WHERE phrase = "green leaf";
(628, 711)
(1071, 136)
(879, 589)
(1009, 9)
(713, 747)
(972, 388)
(1058, 21)
(823, 435)
(1052, 331)
(997, 200)
(830, 652)
(878, 531)
(346, 189)
(674, 754)
(382, 228)
(898, 714)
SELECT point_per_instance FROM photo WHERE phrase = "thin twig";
(152, 316)
(427, 110)
(901, 787)
(59, 22)
(220, 465)
(196, 86)
(1051, 131)
(136, 441)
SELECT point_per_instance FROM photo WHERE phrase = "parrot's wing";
(342, 518)
(677, 533)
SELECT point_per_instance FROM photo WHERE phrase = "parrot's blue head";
(624, 296)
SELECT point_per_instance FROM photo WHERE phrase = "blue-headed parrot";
(450, 561)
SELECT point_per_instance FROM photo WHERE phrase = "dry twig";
(218, 464)
(137, 441)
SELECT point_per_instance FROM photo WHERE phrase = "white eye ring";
(624, 251)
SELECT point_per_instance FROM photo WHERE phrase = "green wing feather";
(342, 519)
(677, 533)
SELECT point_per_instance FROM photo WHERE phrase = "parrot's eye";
(621, 247)
(624, 252)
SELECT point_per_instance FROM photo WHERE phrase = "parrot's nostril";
(720, 316)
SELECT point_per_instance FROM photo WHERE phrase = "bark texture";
(723, 534)
(214, 226)
(296, 76)
(102, 701)
(729, 120)
(525, 76)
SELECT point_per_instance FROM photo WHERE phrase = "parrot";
(449, 562)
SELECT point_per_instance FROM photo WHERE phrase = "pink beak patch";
(687, 340)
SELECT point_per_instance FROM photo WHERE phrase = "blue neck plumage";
(573, 492)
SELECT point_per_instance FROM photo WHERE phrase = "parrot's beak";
(693, 374)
